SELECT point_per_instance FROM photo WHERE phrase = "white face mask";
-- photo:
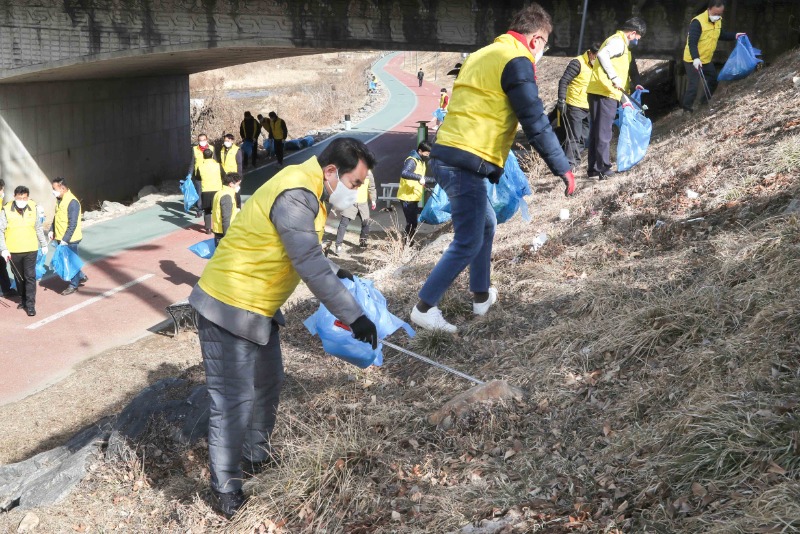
(56, 193)
(539, 55)
(21, 204)
(228, 144)
(714, 18)
(2, 195)
(237, 188)
(203, 144)
(342, 197)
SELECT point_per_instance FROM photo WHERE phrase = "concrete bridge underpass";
(98, 90)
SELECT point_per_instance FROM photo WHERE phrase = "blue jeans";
(474, 222)
(79, 275)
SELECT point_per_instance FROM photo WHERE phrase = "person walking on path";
(21, 236)
(225, 207)
(609, 78)
(66, 227)
(249, 130)
(230, 156)
(278, 134)
(194, 168)
(573, 103)
(5, 280)
(705, 31)
(210, 182)
(367, 196)
(412, 187)
(495, 91)
(272, 245)
(420, 76)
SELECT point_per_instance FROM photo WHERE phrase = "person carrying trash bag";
(210, 182)
(194, 168)
(495, 91)
(66, 227)
(272, 245)
(705, 31)
(573, 103)
(224, 207)
(412, 187)
(21, 236)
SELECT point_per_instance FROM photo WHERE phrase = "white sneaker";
(432, 320)
(480, 308)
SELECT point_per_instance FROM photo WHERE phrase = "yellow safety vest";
(250, 269)
(363, 192)
(21, 229)
(442, 100)
(599, 83)
(216, 211)
(228, 159)
(275, 126)
(576, 91)
(62, 218)
(480, 119)
(411, 190)
(197, 154)
(707, 44)
(210, 177)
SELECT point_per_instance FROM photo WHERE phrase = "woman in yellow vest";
(367, 195)
(609, 77)
(705, 31)
(412, 187)
(573, 103)
(210, 183)
(225, 207)
(21, 236)
(66, 227)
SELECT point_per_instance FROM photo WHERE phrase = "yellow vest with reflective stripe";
(707, 44)
(62, 218)
(363, 192)
(216, 211)
(411, 190)
(21, 229)
(599, 83)
(228, 159)
(480, 119)
(275, 126)
(250, 269)
(197, 154)
(576, 91)
(210, 177)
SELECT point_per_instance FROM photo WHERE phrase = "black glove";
(494, 176)
(341, 273)
(364, 330)
(562, 107)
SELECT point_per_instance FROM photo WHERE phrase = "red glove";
(569, 181)
(639, 88)
(740, 35)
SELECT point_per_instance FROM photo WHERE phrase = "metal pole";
(583, 26)
(431, 362)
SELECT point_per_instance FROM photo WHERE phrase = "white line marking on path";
(92, 300)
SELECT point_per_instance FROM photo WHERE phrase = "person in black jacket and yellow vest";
(66, 227)
(225, 206)
(21, 236)
(705, 31)
(230, 156)
(277, 133)
(495, 91)
(412, 187)
(573, 103)
(210, 183)
(271, 246)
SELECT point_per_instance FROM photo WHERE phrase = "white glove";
(374, 206)
(44, 250)
(6, 255)
(422, 180)
(65, 243)
(616, 83)
(740, 35)
(50, 235)
(697, 63)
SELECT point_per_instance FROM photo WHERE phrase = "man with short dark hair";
(277, 133)
(194, 168)
(573, 103)
(420, 76)
(495, 91)
(272, 244)
(66, 226)
(249, 130)
(21, 236)
(230, 156)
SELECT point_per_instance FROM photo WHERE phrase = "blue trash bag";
(437, 208)
(204, 249)
(338, 340)
(269, 146)
(372, 85)
(634, 138)
(636, 97)
(306, 141)
(41, 269)
(247, 148)
(742, 61)
(65, 263)
(506, 195)
(439, 114)
(190, 196)
(11, 276)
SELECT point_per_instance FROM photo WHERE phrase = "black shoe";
(606, 175)
(21, 305)
(362, 243)
(227, 504)
(69, 291)
(31, 312)
(83, 280)
(10, 293)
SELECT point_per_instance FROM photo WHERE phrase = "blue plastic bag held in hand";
(204, 249)
(190, 196)
(65, 263)
(634, 137)
(437, 209)
(506, 195)
(40, 267)
(742, 61)
(338, 340)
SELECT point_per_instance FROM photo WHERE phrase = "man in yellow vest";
(609, 78)
(210, 183)
(495, 91)
(230, 157)
(573, 103)
(412, 187)
(194, 167)
(249, 130)
(705, 31)
(272, 245)
(21, 236)
(225, 206)
(66, 227)
(277, 133)
(367, 195)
